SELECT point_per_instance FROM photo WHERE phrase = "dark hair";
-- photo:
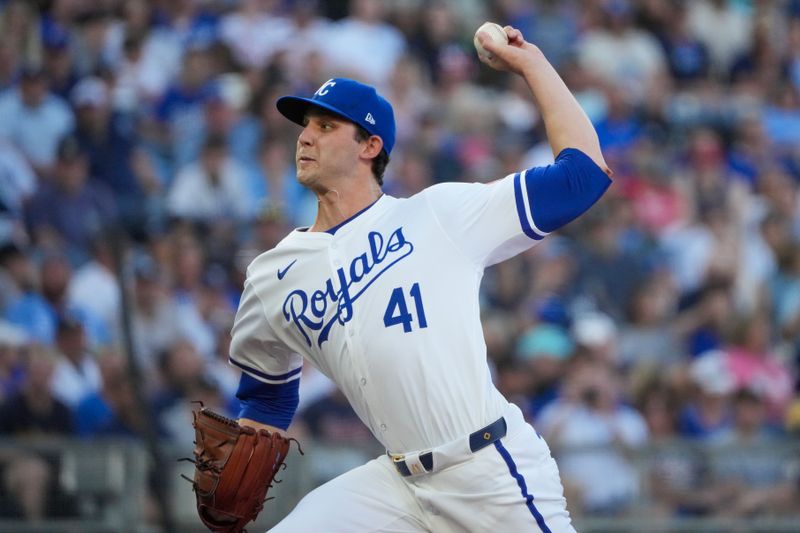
(380, 161)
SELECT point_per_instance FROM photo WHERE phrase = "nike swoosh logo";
(283, 272)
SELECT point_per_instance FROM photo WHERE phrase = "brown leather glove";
(234, 467)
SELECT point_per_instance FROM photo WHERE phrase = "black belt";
(477, 440)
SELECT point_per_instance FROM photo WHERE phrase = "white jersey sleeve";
(493, 222)
(481, 219)
(255, 348)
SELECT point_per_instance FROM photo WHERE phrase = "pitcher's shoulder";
(274, 257)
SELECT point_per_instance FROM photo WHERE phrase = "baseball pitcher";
(381, 295)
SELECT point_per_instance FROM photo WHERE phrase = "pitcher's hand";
(513, 57)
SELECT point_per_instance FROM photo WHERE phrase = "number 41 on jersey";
(397, 311)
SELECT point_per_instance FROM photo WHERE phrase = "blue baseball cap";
(354, 101)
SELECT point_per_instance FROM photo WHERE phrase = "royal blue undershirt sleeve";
(561, 192)
(266, 403)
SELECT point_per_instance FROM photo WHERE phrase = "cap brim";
(294, 108)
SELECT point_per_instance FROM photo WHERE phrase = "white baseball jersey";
(387, 307)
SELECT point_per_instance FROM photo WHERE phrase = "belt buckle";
(399, 462)
(408, 464)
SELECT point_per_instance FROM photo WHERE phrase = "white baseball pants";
(512, 485)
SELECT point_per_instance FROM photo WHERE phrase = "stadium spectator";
(711, 305)
(59, 63)
(621, 54)
(363, 45)
(437, 32)
(709, 413)
(255, 32)
(601, 257)
(18, 182)
(687, 56)
(596, 337)
(19, 25)
(187, 293)
(93, 289)
(76, 373)
(71, 209)
(681, 477)
(723, 27)
(111, 147)
(112, 410)
(755, 367)
(56, 275)
(143, 58)
(543, 350)
(30, 484)
(179, 110)
(551, 24)
(23, 304)
(651, 335)
(34, 119)
(761, 479)
(750, 429)
(184, 381)
(212, 190)
(303, 59)
(590, 431)
(154, 321)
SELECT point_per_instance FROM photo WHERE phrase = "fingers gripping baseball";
(500, 55)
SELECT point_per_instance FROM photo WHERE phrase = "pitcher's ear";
(373, 146)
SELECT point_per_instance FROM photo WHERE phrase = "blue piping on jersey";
(512, 469)
(523, 216)
(559, 193)
(340, 224)
(279, 378)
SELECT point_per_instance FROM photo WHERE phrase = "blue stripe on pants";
(512, 469)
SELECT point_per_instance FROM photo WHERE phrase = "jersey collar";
(362, 215)
(333, 230)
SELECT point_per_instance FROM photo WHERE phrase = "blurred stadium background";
(655, 342)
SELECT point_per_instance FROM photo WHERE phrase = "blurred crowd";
(140, 148)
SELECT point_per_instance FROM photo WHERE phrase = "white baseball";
(495, 32)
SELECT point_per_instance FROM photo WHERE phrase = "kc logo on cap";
(349, 99)
(323, 89)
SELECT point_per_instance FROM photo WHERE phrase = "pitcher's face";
(326, 149)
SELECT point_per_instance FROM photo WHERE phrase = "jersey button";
(383, 427)
(363, 381)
